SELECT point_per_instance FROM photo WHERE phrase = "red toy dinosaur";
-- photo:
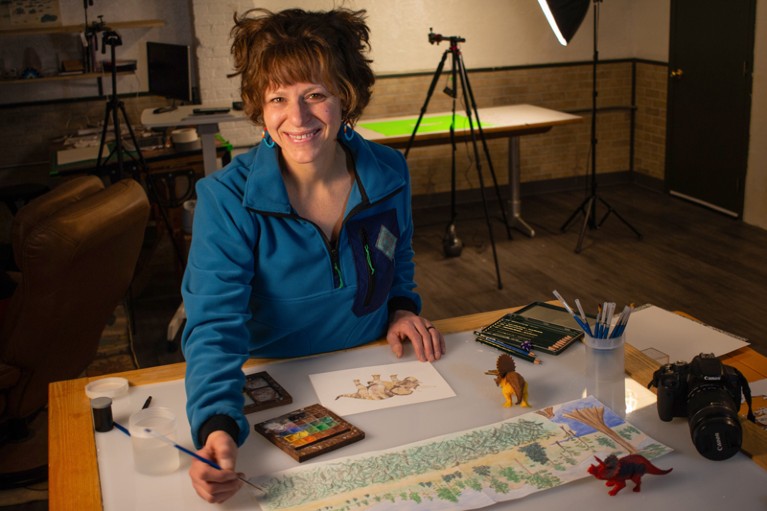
(616, 471)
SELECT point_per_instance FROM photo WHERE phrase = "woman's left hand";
(427, 341)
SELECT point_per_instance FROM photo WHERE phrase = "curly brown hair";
(291, 46)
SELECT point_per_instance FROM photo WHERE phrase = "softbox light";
(565, 16)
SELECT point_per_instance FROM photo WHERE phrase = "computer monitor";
(170, 72)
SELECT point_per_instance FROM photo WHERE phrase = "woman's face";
(303, 119)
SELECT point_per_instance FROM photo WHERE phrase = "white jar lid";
(107, 387)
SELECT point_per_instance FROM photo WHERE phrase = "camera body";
(707, 392)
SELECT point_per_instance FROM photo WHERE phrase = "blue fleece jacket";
(263, 281)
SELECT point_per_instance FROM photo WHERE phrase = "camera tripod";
(114, 108)
(451, 244)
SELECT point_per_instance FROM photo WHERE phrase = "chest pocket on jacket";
(373, 242)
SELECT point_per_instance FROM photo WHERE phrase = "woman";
(302, 245)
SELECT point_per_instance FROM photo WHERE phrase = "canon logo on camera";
(719, 446)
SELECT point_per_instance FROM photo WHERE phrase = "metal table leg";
(515, 203)
(208, 135)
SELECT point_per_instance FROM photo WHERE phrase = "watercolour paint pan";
(262, 392)
(308, 432)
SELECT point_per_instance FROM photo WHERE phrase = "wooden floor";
(689, 259)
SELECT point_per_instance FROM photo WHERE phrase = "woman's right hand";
(216, 486)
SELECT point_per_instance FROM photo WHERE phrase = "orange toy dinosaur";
(511, 382)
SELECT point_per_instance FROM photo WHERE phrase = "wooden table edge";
(73, 465)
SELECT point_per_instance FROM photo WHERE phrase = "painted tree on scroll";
(547, 412)
(595, 418)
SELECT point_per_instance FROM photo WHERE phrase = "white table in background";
(207, 126)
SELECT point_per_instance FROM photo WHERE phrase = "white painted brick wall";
(213, 21)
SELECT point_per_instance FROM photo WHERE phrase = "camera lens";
(714, 424)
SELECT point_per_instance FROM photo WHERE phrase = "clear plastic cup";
(153, 432)
(605, 371)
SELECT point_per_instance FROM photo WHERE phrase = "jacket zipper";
(371, 269)
(338, 279)
(336, 266)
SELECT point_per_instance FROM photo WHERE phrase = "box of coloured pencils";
(538, 327)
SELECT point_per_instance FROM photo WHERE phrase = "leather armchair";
(76, 248)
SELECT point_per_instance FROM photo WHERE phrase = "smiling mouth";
(302, 137)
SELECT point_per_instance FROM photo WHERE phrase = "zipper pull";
(337, 268)
(364, 236)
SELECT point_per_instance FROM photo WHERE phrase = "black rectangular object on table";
(548, 328)
(262, 392)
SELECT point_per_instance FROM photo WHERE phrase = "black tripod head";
(92, 30)
(438, 38)
(110, 38)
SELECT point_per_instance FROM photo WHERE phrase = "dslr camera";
(707, 392)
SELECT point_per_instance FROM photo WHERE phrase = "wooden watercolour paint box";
(308, 432)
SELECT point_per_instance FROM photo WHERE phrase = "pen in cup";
(583, 324)
(604, 319)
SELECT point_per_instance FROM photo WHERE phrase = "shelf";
(67, 29)
(81, 76)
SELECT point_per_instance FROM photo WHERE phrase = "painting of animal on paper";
(383, 389)
(364, 389)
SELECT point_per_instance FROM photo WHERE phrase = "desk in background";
(207, 126)
(510, 121)
(162, 159)
(74, 482)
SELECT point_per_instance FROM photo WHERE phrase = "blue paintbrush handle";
(195, 455)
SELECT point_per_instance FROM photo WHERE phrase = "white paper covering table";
(78, 481)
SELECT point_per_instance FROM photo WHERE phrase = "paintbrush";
(197, 456)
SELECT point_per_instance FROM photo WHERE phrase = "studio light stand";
(451, 244)
(589, 205)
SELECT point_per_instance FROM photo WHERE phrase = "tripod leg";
(582, 209)
(586, 220)
(493, 176)
(102, 144)
(610, 209)
(138, 157)
(478, 165)
(433, 84)
(154, 197)
(453, 145)
(492, 239)
(469, 93)
(151, 189)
